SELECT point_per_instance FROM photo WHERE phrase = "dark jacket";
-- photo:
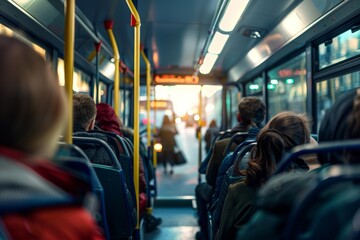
(238, 208)
(228, 161)
(218, 154)
(210, 134)
(167, 137)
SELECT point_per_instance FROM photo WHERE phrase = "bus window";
(9, 32)
(287, 86)
(80, 79)
(329, 90)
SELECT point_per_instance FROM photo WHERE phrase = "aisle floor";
(178, 223)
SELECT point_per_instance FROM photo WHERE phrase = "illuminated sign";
(283, 73)
(176, 79)
(157, 104)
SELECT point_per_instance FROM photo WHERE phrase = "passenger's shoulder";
(222, 142)
(238, 185)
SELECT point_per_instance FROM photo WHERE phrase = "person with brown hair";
(84, 110)
(330, 214)
(210, 134)
(283, 132)
(33, 114)
(250, 111)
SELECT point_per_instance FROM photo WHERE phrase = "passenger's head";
(283, 132)
(84, 111)
(212, 124)
(106, 118)
(341, 121)
(251, 110)
(166, 120)
(258, 110)
(32, 104)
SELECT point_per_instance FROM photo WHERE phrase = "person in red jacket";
(33, 113)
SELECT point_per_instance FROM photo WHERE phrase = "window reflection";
(329, 90)
(102, 92)
(287, 86)
(255, 87)
(232, 102)
(340, 48)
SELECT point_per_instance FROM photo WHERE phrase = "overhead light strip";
(218, 43)
(232, 14)
(208, 63)
(229, 18)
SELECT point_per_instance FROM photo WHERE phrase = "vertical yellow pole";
(69, 63)
(109, 25)
(136, 107)
(148, 127)
(148, 82)
(200, 123)
(154, 131)
(137, 24)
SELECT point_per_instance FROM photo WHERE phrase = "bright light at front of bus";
(158, 147)
(196, 117)
(178, 120)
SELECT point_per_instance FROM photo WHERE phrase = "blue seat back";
(237, 137)
(337, 189)
(326, 147)
(119, 203)
(123, 155)
(82, 168)
(120, 207)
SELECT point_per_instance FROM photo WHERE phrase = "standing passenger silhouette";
(210, 134)
(167, 134)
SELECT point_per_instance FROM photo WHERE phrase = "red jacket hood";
(107, 120)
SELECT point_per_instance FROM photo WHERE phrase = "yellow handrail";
(137, 24)
(97, 50)
(108, 26)
(154, 131)
(200, 123)
(148, 127)
(69, 64)
(148, 82)
(92, 55)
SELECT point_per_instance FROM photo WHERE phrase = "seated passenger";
(245, 115)
(204, 191)
(218, 198)
(84, 114)
(107, 120)
(340, 122)
(212, 131)
(33, 113)
(283, 132)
